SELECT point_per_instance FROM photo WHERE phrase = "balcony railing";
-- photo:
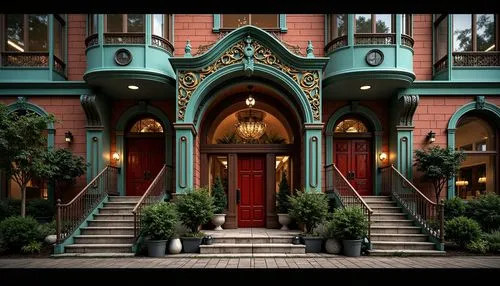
(124, 38)
(92, 40)
(336, 43)
(442, 64)
(25, 59)
(407, 41)
(374, 39)
(160, 42)
(59, 66)
(476, 59)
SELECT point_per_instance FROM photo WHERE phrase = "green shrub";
(45, 229)
(309, 208)
(349, 223)
(195, 208)
(493, 240)
(454, 208)
(462, 230)
(282, 199)
(219, 196)
(9, 207)
(158, 221)
(32, 247)
(40, 208)
(478, 246)
(486, 211)
(17, 231)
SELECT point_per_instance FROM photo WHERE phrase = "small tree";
(438, 165)
(283, 201)
(219, 196)
(309, 208)
(195, 208)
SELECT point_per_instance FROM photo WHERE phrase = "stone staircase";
(392, 233)
(252, 242)
(109, 233)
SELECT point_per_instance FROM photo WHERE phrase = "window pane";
(147, 125)
(265, 20)
(234, 20)
(135, 23)
(58, 39)
(486, 32)
(363, 23)
(462, 32)
(217, 168)
(340, 26)
(15, 33)
(38, 32)
(476, 176)
(158, 25)
(350, 126)
(114, 23)
(475, 132)
(384, 23)
(442, 39)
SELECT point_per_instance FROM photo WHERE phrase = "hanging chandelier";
(250, 125)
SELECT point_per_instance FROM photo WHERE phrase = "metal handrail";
(70, 215)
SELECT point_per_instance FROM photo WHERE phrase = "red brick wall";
(77, 61)
(305, 27)
(70, 117)
(422, 35)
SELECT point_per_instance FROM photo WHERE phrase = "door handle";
(238, 196)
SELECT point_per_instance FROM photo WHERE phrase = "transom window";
(350, 126)
(264, 21)
(373, 23)
(124, 23)
(474, 32)
(146, 125)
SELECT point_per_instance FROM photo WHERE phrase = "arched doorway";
(145, 153)
(352, 152)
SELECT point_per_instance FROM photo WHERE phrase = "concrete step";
(399, 245)
(120, 230)
(392, 222)
(106, 223)
(115, 210)
(389, 216)
(381, 204)
(104, 239)
(98, 248)
(386, 209)
(419, 237)
(114, 217)
(394, 230)
(220, 248)
(239, 240)
(127, 204)
(377, 198)
(405, 252)
(93, 255)
(134, 199)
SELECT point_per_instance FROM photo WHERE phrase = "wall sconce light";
(116, 156)
(382, 156)
(482, 180)
(68, 137)
(431, 136)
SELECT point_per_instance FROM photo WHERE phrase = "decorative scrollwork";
(476, 59)
(189, 80)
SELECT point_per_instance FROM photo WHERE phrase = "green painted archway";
(140, 109)
(480, 105)
(368, 114)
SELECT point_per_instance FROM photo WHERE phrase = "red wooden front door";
(352, 157)
(251, 179)
(145, 158)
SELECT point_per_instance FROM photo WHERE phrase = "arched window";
(477, 139)
(350, 126)
(146, 125)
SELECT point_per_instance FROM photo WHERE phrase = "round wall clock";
(123, 57)
(374, 57)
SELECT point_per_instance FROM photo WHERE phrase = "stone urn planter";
(284, 220)
(175, 246)
(333, 246)
(218, 220)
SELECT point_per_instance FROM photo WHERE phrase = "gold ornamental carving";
(189, 80)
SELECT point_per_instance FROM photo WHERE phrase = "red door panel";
(251, 212)
(352, 158)
(145, 158)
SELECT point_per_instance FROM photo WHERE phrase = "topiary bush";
(454, 208)
(17, 231)
(195, 208)
(309, 208)
(486, 211)
(40, 208)
(349, 223)
(158, 221)
(493, 240)
(462, 230)
(282, 199)
(219, 196)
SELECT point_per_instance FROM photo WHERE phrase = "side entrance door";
(145, 158)
(353, 157)
(251, 179)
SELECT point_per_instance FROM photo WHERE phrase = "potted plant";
(310, 209)
(158, 222)
(220, 203)
(195, 208)
(351, 226)
(283, 203)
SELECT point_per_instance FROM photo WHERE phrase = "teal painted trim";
(452, 88)
(351, 74)
(312, 159)
(398, 39)
(350, 30)
(148, 37)
(136, 73)
(17, 105)
(95, 153)
(377, 142)
(51, 46)
(489, 108)
(450, 46)
(59, 248)
(216, 28)
(326, 29)
(120, 148)
(184, 166)
(282, 20)
(100, 38)
(44, 88)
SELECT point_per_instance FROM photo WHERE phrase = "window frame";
(3, 36)
(169, 30)
(280, 28)
(124, 25)
(374, 24)
(474, 34)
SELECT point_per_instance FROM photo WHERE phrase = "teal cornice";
(263, 37)
(143, 74)
(433, 87)
(392, 74)
(45, 88)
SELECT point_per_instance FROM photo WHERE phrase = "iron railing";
(441, 64)
(92, 40)
(162, 43)
(124, 38)
(476, 59)
(374, 39)
(346, 193)
(161, 185)
(71, 215)
(428, 214)
(336, 43)
(407, 41)
(25, 59)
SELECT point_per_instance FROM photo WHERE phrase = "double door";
(353, 157)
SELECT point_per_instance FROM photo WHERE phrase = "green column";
(404, 150)
(312, 156)
(94, 152)
(185, 134)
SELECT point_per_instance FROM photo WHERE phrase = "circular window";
(123, 57)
